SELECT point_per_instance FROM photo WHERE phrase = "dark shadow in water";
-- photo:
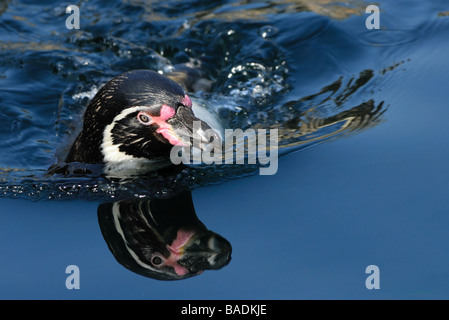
(162, 238)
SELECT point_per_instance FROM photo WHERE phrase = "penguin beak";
(188, 130)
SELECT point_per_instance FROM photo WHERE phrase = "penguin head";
(139, 115)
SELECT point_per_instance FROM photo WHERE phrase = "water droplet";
(268, 31)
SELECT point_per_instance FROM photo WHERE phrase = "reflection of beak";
(188, 130)
(205, 251)
(193, 252)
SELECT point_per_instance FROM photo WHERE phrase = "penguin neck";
(85, 149)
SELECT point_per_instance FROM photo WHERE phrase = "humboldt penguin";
(134, 121)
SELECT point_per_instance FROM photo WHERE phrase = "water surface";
(362, 176)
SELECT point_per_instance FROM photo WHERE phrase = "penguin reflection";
(161, 238)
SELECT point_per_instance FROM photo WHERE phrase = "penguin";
(134, 121)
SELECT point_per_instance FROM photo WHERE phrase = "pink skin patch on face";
(170, 136)
(180, 270)
(167, 113)
(172, 261)
(164, 129)
(186, 101)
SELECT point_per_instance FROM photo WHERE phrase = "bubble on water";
(186, 24)
(268, 32)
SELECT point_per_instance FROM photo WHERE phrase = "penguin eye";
(156, 260)
(143, 118)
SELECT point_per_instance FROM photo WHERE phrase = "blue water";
(374, 193)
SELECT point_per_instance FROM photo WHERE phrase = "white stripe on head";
(118, 162)
(118, 227)
(111, 151)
